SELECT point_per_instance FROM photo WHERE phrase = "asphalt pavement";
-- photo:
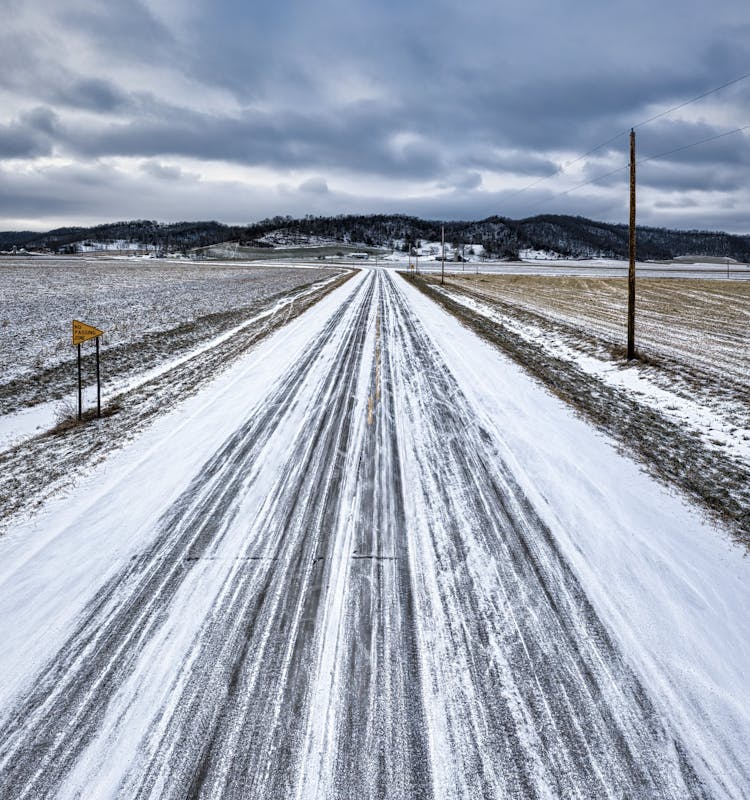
(353, 598)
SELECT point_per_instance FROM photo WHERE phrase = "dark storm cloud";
(28, 136)
(127, 25)
(41, 119)
(47, 58)
(719, 145)
(40, 78)
(17, 142)
(500, 76)
(92, 94)
(520, 161)
(668, 177)
(358, 139)
(86, 192)
(455, 96)
(69, 91)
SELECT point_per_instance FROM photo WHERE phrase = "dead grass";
(700, 322)
(66, 417)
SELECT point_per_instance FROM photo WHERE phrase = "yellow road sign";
(83, 332)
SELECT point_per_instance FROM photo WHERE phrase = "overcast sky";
(237, 110)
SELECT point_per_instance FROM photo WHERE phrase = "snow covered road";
(338, 577)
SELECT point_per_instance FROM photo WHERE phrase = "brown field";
(705, 323)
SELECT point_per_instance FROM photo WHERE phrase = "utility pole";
(631, 266)
(442, 268)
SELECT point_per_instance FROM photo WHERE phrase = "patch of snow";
(52, 565)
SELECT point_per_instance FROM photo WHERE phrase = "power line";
(694, 144)
(693, 100)
(599, 178)
(624, 133)
(592, 180)
(565, 166)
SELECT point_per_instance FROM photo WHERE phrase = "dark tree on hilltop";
(502, 237)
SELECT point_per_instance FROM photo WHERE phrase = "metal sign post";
(80, 398)
(98, 384)
(82, 333)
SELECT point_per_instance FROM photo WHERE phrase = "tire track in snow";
(250, 679)
(360, 602)
(73, 693)
(527, 694)
(367, 738)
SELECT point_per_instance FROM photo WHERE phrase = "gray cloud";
(128, 27)
(28, 136)
(84, 195)
(456, 97)
(92, 94)
(162, 172)
(314, 185)
(358, 139)
(15, 142)
(41, 119)
(468, 181)
(666, 177)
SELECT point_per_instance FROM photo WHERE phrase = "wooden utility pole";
(442, 268)
(631, 266)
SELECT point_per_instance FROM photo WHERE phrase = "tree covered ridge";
(501, 237)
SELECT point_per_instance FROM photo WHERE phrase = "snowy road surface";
(336, 575)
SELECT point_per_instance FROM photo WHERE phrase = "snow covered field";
(129, 299)
(372, 558)
(42, 448)
(153, 313)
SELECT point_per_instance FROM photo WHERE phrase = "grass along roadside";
(700, 327)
